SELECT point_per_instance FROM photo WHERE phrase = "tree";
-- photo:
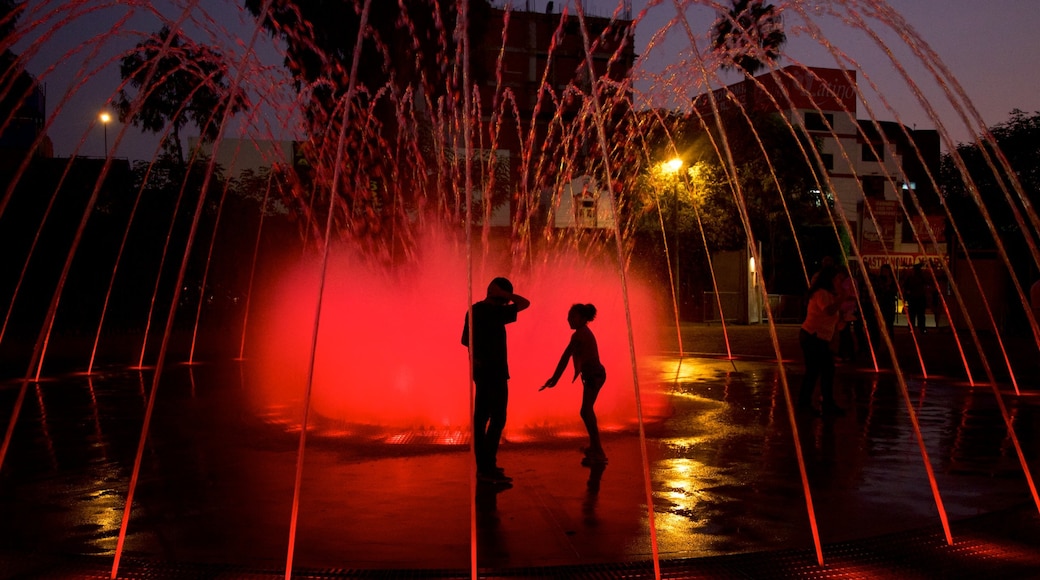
(16, 108)
(749, 36)
(406, 46)
(408, 74)
(989, 186)
(176, 81)
(761, 149)
(10, 12)
(1019, 140)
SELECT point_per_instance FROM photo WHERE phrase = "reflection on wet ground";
(217, 477)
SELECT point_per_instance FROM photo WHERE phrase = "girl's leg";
(588, 415)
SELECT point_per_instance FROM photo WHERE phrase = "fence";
(786, 308)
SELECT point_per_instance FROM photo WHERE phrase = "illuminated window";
(584, 212)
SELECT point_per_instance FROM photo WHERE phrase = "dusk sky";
(989, 48)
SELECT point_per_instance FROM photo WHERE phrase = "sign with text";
(901, 262)
(879, 225)
(935, 223)
(791, 87)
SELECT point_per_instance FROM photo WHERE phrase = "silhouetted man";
(915, 290)
(491, 372)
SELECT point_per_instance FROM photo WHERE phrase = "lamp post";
(672, 167)
(105, 118)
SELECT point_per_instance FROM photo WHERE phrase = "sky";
(988, 48)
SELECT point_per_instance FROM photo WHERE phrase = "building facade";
(878, 173)
(536, 102)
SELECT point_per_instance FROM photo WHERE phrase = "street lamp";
(671, 168)
(105, 118)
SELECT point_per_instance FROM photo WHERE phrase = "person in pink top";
(822, 323)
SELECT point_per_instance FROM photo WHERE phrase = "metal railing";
(786, 308)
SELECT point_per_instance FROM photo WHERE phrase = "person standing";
(915, 288)
(848, 342)
(887, 292)
(822, 319)
(584, 352)
(490, 371)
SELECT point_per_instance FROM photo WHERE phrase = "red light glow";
(389, 355)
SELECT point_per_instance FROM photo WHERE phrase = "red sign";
(795, 87)
(879, 224)
(825, 88)
(936, 223)
(901, 262)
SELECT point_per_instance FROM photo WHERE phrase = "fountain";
(310, 257)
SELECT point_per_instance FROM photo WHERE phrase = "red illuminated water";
(389, 353)
(387, 360)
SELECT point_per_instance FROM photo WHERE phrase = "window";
(584, 212)
(818, 122)
(828, 161)
(873, 186)
(869, 151)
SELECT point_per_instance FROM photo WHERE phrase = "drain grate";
(1003, 545)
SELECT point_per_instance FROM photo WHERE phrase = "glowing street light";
(105, 119)
(671, 168)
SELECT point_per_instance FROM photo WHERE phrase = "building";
(541, 69)
(873, 168)
(23, 114)
(533, 80)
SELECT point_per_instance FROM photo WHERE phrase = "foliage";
(765, 171)
(177, 81)
(399, 143)
(406, 45)
(10, 12)
(749, 36)
(19, 84)
(1018, 140)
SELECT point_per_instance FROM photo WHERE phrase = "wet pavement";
(215, 493)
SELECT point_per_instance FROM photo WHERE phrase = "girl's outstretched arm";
(560, 367)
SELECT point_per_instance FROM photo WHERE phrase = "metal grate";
(1002, 545)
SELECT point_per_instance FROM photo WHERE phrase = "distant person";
(938, 305)
(861, 302)
(825, 262)
(848, 342)
(822, 320)
(584, 353)
(491, 373)
(870, 321)
(915, 290)
(887, 291)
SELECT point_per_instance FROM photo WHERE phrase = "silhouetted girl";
(583, 351)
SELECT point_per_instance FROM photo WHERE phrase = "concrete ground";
(215, 495)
